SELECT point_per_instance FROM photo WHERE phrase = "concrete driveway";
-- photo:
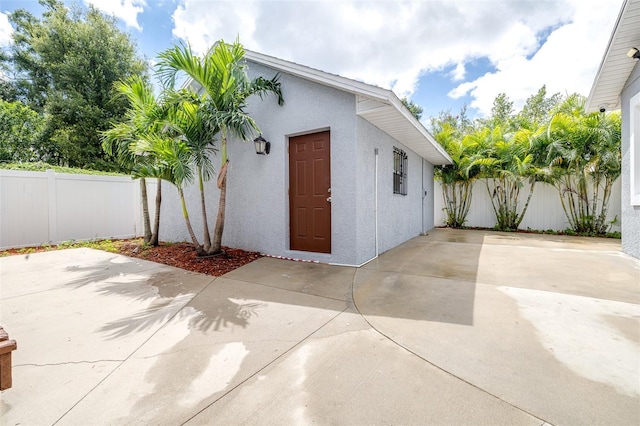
(456, 327)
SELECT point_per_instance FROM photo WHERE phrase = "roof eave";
(432, 151)
(611, 77)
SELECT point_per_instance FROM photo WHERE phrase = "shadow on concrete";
(165, 290)
(129, 277)
(231, 330)
(227, 314)
(429, 278)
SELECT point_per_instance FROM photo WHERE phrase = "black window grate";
(399, 171)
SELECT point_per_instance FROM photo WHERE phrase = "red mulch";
(180, 255)
(183, 255)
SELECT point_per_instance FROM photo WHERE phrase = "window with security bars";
(399, 172)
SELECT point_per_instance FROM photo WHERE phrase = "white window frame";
(634, 150)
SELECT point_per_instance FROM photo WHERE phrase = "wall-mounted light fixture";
(262, 146)
(633, 53)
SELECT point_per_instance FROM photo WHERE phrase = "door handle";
(329, 199)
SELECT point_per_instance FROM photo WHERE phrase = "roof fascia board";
(323, 77)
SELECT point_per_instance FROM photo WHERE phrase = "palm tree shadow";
(162, 287)
(226, 313)
(113, 278)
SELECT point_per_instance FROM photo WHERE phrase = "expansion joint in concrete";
(304, 339)
(355, 304)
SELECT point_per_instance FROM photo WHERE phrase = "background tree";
(64, 66)
(536, 111)
(535, 116)
(20, 129)
(502, 114)
(8, 90)
(415, 109)
(461, 122)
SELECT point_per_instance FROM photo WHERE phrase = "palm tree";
(143, 117)
(506, 165)
(221, 79)
(187, 121)
(457, 179)
(584, 157)
(174, 158)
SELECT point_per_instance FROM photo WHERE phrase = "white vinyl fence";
(39, 208)
(544, 212)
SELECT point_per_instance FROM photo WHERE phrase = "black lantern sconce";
(262, 145)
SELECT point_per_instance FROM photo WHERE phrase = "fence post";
(137, 209)
(53, 207)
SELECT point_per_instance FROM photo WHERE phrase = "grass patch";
(111, 246)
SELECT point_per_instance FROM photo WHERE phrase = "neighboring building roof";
(616, 66)
(380, 107)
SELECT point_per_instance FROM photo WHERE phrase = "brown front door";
(310, 192)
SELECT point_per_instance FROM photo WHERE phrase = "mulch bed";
(180, 255)
(183, 255)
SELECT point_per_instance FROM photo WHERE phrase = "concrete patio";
(456, 327)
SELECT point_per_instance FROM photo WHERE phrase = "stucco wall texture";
(630, 220)
(257, 210)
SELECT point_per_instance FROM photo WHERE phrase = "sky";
(441, 54)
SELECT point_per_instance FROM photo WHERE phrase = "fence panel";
(47, 208)
(24, 208)
(544, 212)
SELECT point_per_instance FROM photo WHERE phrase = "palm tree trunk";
(466, 201)
(445, 199)
(199, 250)
(156, 221)
(526, 205)
(602, 227)
(595, 191)
(569, 192)
(216, 246)
(584, 203)
(491, 197)
(145, 210)
(203, 206)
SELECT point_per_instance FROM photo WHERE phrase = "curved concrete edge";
(516, 320)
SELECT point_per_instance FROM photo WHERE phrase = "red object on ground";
(6, 347)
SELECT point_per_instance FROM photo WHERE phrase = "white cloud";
(5, 30)
(127, 10)
(393, 43)
(567, 62)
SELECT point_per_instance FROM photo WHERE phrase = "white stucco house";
(617, 86)
(349, 174)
